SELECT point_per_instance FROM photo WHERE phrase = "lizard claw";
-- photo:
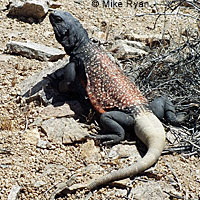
(107, 141)
(96, 136)
(53, 81)
(92, 136)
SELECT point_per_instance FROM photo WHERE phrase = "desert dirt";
(37, 170)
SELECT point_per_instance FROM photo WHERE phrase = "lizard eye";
(58, 19)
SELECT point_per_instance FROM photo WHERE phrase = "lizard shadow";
(45, 93)
(141, 147)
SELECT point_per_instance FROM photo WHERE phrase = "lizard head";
(68, 31)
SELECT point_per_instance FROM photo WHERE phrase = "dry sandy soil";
(32, 168)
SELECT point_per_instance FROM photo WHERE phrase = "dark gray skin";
(70, 33)
(163, 108)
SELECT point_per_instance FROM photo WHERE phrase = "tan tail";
(150, 131)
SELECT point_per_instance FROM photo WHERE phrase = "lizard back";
(107, 86)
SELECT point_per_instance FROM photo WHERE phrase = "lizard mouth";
(51, 18)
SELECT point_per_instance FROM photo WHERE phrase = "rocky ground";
(34, 169)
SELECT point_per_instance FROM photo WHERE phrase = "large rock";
(65, 110)
(124, 49)
(152, 190)
(35, 83)
(149, 40)
(64, 130)
(37, 88)
(28, 8)
(57, 111)
(35, 51)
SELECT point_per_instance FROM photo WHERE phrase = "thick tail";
(150, 131)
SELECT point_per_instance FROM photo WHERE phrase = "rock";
(124, 49)
(14, 192)
(28, 8)
(14, 33)
(35, 83)
(121, 183)
(59, 111)
(68, 108)
(90, 152)
(149, 190)
(5, 57)
(99, 36)
(44, 144)
(124, 151)
(55, 5)
(35, 51)
(117, 193)
(63, 130)
(31, 136)
(36, 122)
(4, 166)
(73, 132)
(54, 129)
(39, 184)
(36, 88)
(149, 40)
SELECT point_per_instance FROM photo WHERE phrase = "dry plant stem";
(198, 147)
(191, 154)
(168, 6)
(176, 149)
(167, 14)
(174, 174)
(193, 4)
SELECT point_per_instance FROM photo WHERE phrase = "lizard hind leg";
(114, 124)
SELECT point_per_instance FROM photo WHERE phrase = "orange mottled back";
(107, 86)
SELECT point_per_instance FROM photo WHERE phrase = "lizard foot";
(106, 139)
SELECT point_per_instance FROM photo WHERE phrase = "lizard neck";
(81, 49)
